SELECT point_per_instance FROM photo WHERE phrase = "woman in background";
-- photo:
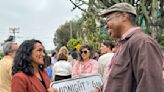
(62, 68)
(86, 66)
(28, 70)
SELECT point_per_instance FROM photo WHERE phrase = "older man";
(137, 63)
(9, 50)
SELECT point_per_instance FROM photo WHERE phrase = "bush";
(74, 42)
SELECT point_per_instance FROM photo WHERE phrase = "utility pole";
(14, 30)
(70, 30)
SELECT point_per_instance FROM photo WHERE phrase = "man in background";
(9, 49)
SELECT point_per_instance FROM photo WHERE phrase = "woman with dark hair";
(28, 69)
(86, 66)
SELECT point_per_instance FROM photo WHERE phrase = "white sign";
(82, 84)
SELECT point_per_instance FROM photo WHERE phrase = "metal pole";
(14, 30)
(70, 30)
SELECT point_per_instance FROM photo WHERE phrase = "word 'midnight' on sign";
(82, 84)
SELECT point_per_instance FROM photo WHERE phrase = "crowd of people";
(133, 64)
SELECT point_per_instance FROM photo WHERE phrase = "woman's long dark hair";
(23, 58)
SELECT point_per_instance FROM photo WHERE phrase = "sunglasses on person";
(85, 52)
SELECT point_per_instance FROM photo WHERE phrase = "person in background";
(86, 66)
(105, 59)
(137, 63)
(28, 69)
(53, 58)
(50, 67)
(97, 54)
(48, 64)
(70, 58)
(75, 56)
(62, 68)
(9, 49)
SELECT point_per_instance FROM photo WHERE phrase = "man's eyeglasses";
(108, 18)
(85, 52)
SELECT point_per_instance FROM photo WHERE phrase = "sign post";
(82, 84)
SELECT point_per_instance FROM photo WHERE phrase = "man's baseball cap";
(120, 7)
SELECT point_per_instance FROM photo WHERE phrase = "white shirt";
(104, 62)
(62, 68)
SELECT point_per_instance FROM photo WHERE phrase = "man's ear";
(125, 17)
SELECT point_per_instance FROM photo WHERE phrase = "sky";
(36, 19)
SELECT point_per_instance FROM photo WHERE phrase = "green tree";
(150, 17)
(73, 42)
(62, 35)
(91, 21)
(67, 31)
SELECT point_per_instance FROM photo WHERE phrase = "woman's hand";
(52, 90)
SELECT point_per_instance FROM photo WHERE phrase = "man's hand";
(96, 90)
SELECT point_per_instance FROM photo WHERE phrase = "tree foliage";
(90, 21)
(150, 17)
(91, 27)
(62, 35)
(72, 43)
(70, 30)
